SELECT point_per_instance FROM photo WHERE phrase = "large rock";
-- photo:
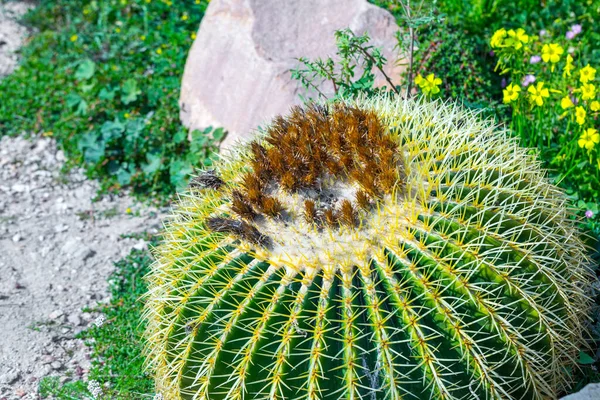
(237, 75)
(590, 392)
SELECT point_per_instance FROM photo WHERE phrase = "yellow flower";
(127, 115)
(588, 91)
(498, 38)
(511, 93)
(568, 66)
(184, 17)
(143, 37)
(580, 115)
(589, 138)
(419, 80)
(197, 1)
(595, 106)
(118, 30)
(566, 102)
(587, 74)
(551, 52)
(128, 211)
(193, 35)
(538, 93)
(516, 39)
(159, 51)
(428, 85)
(74, 38)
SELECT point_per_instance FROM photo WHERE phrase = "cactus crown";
(381, 249)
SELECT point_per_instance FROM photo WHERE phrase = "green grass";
(103, 78)
(117, 344)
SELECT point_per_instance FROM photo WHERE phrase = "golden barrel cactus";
(369, 249)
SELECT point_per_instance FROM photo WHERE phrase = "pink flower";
(589, 214)
(528, 80)
(535, 59)
(574, 31)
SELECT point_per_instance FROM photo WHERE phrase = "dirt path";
(56, 253)
(57, 249)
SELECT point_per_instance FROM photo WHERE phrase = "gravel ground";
(57, 249)
(12, 34)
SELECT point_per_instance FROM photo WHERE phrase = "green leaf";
(81, 108)
(112, 129)
(107, 93)
(180, 136)
(86, 88)
(219, 134)
(92, 148)
(130, 91)
(134, 128)
(73, 99)
(585, 358)
(86, 70)
(179, 171)
(124, 176)
(154, 162)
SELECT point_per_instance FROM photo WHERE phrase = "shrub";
(551, 90)
(383, 248)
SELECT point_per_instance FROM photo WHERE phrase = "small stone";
(86, 253)
(74, 320)
(44, 371)
(11, 376)
(590, 392)
(17, 238)
(56, 365)
(19, 188)
(61, 228)
(47, 359)
(56, 314)
(141, 245)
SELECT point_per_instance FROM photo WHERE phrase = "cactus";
(373, 249)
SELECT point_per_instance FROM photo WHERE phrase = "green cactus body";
(376, 249)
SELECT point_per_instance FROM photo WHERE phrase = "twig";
(372, 59)
(411, 32)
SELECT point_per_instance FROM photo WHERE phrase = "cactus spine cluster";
(374, 249)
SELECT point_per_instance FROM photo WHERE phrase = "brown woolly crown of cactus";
(373, 249)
